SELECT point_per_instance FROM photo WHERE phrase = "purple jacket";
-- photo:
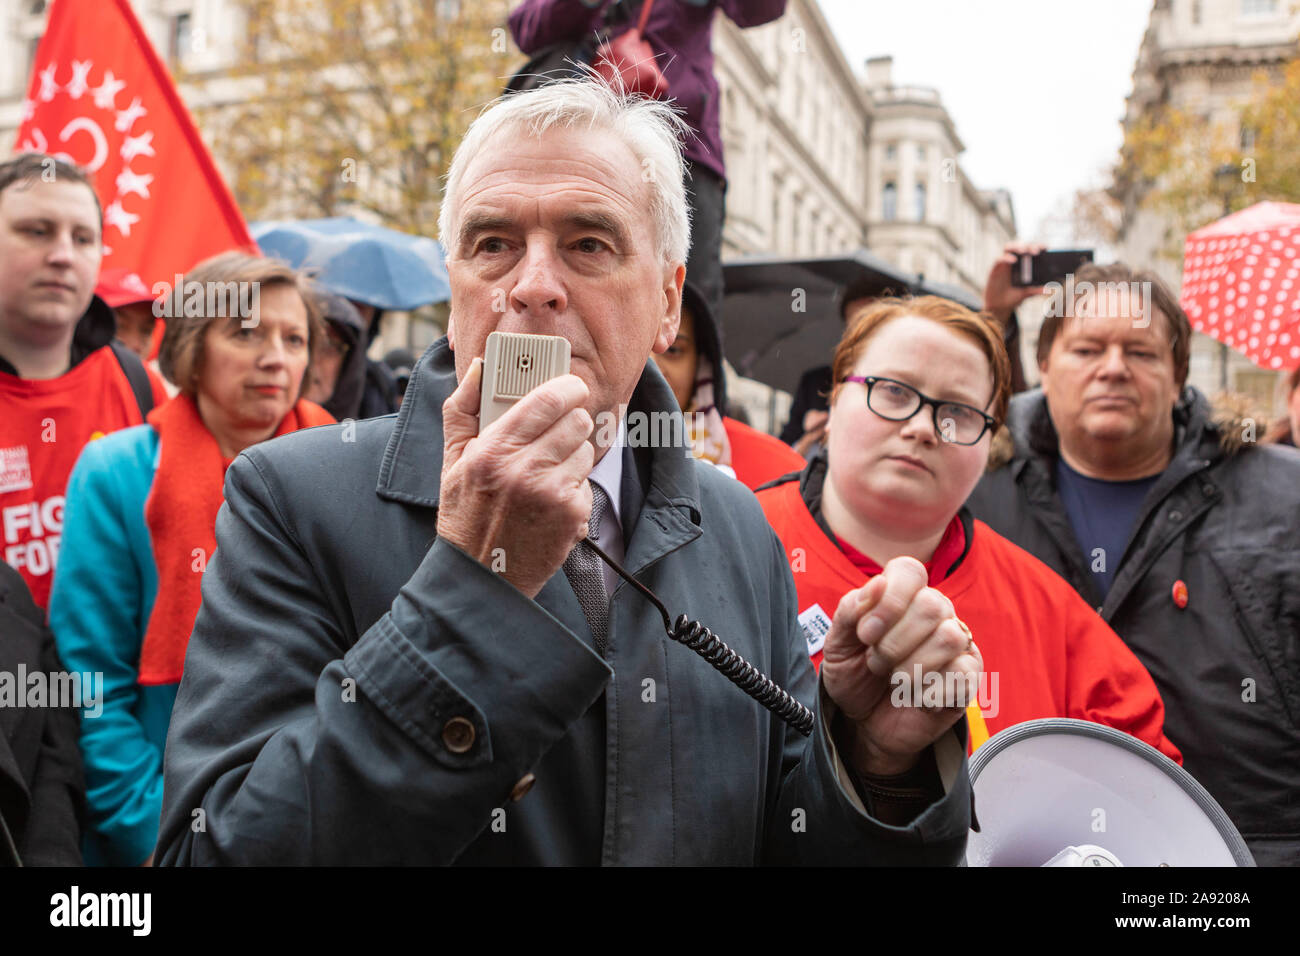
(680, 31)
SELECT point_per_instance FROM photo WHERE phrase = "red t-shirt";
(1046, 652)
(946, 553)
(44, 424)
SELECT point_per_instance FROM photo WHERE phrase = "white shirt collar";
(608, 472)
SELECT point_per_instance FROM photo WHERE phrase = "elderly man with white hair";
(407, 655)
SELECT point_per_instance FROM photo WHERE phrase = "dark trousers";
(705, 193)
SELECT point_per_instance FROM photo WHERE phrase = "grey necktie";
(583, 569)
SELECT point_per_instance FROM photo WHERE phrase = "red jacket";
(758, 458)
(1046, 652)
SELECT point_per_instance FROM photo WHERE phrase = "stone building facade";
(923, 212)
(822, 159)
(813, 148)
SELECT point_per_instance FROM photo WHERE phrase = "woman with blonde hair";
(918, 388)
(139, 524)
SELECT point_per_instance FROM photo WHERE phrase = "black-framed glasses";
(897, 401)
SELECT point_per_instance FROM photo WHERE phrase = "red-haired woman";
(919, 386)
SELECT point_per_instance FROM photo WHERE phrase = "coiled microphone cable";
(723, 659)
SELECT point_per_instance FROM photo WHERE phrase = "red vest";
(44, 424)
(1046, 652)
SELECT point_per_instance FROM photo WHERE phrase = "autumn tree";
(1186, 165)
(1095, 215)
(1275, 118)
(336, 106)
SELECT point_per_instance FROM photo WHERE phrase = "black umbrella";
(781, 316)
(948, 291)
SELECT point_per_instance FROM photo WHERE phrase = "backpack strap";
(136, 376)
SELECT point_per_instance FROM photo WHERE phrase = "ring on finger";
(970, 638)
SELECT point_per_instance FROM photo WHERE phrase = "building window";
(920, 154)
(920, 202)
(181, 37)
(1257, 8)
(1196, 13)
(891, 152)
(37, 8)
(1247, 137)
(889, 202)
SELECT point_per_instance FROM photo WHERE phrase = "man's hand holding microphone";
(520, 489)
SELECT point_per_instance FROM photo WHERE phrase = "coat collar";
(1035, 437)
(411, 471)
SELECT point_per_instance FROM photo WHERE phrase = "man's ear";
(672, 317)
(451, 331)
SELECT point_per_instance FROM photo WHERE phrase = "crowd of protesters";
(1109, 547)
(117, 485)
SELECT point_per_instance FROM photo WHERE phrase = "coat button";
(458, 735)
(1175, 515)
(522, 787)
(1180, 593)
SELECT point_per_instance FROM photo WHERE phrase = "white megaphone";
(1064, 792)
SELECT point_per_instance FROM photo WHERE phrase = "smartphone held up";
(1051, 265)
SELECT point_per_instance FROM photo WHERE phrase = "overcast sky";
(1035, 88)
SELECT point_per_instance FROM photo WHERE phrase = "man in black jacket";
(1179, 529)
(41, 788)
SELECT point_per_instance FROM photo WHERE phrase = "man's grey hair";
(652, 129)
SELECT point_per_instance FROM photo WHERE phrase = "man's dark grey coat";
(1223, 520)
(339, 637)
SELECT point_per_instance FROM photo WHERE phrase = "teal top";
(105, 583)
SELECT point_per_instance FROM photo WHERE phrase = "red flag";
(102, 98)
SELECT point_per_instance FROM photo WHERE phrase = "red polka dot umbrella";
(1241, 283)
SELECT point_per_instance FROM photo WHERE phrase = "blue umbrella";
(370, 264)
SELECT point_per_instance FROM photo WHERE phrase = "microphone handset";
(515, 363)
